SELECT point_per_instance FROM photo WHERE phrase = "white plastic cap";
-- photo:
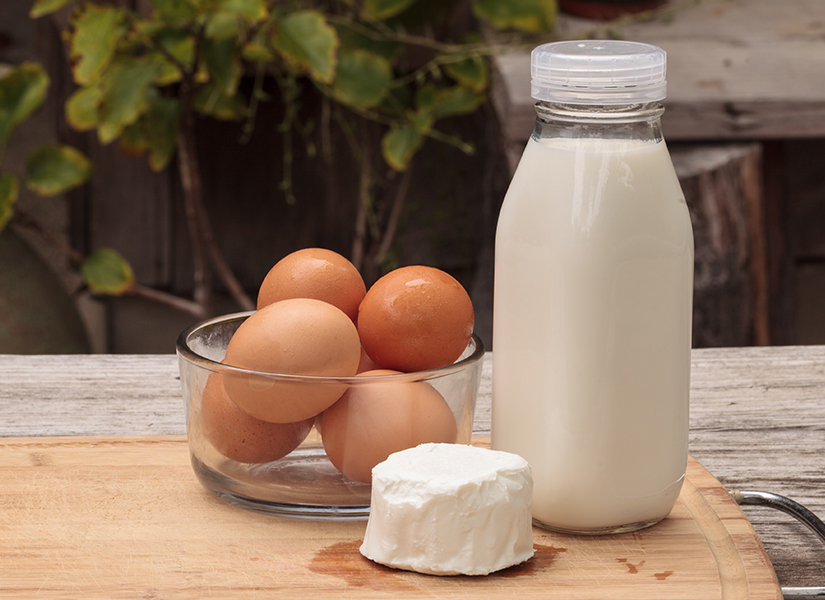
(598, 72)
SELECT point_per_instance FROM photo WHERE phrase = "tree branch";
(204, 246)
(359, 241)
(395, 216)
(193, 197)
(27, 221)
(222, 268)
(182, 304)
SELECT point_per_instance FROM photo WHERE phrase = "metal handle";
(797, 511)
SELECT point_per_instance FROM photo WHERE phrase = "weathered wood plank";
(723, 189)
(53, 395)
(738, 69)
(757, 422)
(130, 209)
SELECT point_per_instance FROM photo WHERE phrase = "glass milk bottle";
(593, 295)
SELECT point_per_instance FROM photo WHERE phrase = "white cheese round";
(450, 509)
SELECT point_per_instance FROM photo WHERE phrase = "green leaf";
(21, 93)
(362, 78)
(252, 10)
(180, 45)
(81, 108)
(425, 98)
(156, 131)
(97, 30)
(126, 90)
(210, 100)
(533, 16)
(45, 7)
(398, 102)
(422, 121)
(162, 122)
(256, 52)
(222, 63)
(471, 73)
(175, 11)
(383, 9)
(105, 271)
(222, 26)
(132, 141)
(350, 39)
(307, 41)
(456, 100)
(52, 170)
(399, 145)
(8, 196)
(167, 72)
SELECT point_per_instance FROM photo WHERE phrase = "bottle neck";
(626, 121)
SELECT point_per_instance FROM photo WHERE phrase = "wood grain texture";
(737, 69)
(757, 422)
(722, 188)
(103, 394)
(123, 517)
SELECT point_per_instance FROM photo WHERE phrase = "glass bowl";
(304, 483)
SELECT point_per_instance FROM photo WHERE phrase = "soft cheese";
(450, 509)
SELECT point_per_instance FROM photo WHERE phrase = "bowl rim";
(185, 351)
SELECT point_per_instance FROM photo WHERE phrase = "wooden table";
(757, 423)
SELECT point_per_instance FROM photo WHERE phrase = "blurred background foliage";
(145, 72)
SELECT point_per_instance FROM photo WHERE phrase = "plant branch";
(289, 94)
(359, 241)
(395, 216)
(193, 197)
(27, 221)
(182, 304)
(203, 240)
(445, 59)
(222, 268)
(452, 140)
(255, 99)
(204, 247)
(383, 33)
(155, 43)
(361, 112)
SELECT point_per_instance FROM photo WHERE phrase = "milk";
(591, 330)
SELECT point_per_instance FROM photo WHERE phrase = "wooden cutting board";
(124, 517)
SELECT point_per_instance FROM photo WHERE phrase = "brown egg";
(415, 318)
(315, 273)
(371, 422)
(300, 336)
(240, 437)
(366, 363)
